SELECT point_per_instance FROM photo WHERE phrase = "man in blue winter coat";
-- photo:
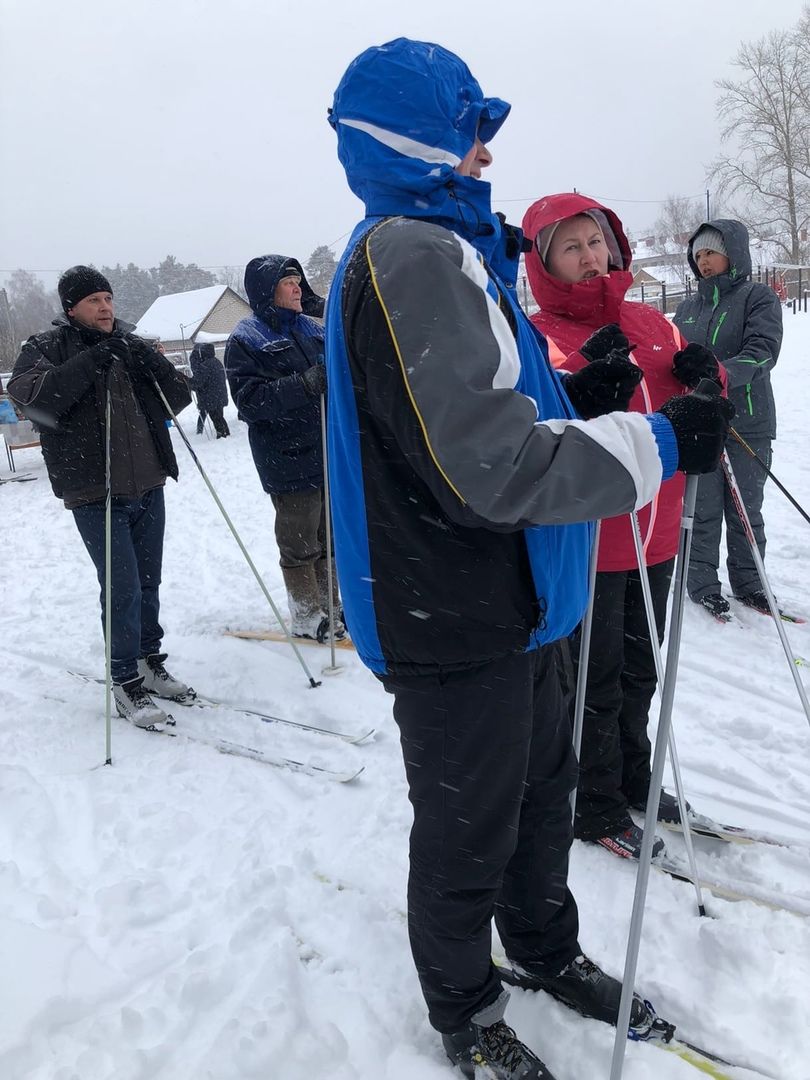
(463, 489)
(274, 363)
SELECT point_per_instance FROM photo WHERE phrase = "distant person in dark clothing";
(61, 380)
(740, 322)
(211, 387)
(275, 368)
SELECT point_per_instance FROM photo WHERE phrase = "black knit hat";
(78, 282)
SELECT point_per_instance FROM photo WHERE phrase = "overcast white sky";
(131, 130)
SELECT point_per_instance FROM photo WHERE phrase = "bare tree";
(766, 112)
(679, 218)
(32, 308)
(234, 278)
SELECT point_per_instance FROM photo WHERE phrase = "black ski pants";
(614, 760)
(490, 767)
(217, 419)
(714, 503)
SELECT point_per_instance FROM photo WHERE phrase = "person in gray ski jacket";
(738, 322)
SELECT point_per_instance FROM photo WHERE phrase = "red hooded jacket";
(569, 313)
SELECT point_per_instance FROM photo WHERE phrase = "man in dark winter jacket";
(211, 387)
(67, 380)
(274, 363)
(463, 487)
(739, 322)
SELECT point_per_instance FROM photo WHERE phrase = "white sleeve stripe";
(628, 438)
(508, 373)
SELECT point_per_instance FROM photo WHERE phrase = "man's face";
(288, 293)
(95, 311)
(710, 263)
(578, 250)
(476, 159)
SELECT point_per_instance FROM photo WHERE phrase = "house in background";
(180, 320)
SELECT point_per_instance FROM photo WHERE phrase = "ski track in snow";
(187, 916)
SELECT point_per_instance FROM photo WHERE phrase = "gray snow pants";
(714, 502)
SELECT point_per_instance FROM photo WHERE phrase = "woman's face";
(711, 263)
(578, 250)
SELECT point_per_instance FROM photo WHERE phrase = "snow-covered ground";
(184, 915)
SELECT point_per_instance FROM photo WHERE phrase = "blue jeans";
(137, 554)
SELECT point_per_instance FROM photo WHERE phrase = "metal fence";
(790, 283)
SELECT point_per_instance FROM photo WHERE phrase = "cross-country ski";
(196, 701)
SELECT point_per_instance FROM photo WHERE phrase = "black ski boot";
(322, 633)
(669, 813)
(488, 1045)
(626, 843)
(757, 601)
(716, 605)
(584, 987)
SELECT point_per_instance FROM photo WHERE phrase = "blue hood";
(406, 113)
(263, 274)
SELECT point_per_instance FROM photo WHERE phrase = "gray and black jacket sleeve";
(474, 439)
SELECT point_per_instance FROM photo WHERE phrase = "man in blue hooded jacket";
(274, 363)
(463, 489)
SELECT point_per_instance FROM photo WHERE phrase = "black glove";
(694, 363)
(314, 380)
(603, 386)
(142, 359)
(606, 339)
(701, 427)
(103, 353)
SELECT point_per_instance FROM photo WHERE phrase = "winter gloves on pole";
(105, 352)
(142, 359)
(314, 380)
(694, 363)
(701, 424)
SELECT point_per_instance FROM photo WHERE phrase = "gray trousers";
(301, 538)
(714, 503)
(300, 527)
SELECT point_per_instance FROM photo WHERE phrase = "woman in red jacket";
(578, 269)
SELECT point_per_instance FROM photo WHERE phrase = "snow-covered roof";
(665, 272)
(179, 315)
(214, 339)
